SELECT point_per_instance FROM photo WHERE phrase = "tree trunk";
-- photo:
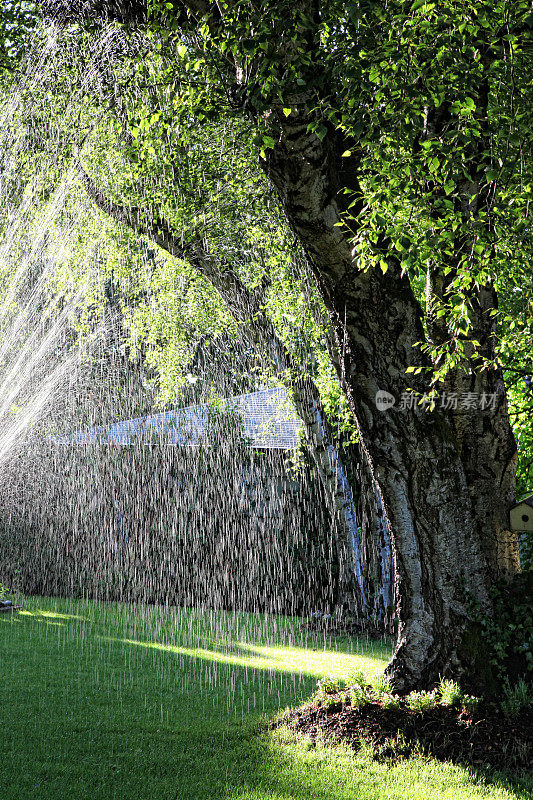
(376, 549)
(446, 538)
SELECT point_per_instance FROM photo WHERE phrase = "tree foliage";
(443, 175)
(17, 23)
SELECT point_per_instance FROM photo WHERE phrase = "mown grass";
(108, 701)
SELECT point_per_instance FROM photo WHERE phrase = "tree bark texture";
(446, 499)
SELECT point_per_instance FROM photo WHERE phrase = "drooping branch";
(243, 304)
(246, 306)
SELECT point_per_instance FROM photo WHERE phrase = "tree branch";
(243, 304)
(246, 306)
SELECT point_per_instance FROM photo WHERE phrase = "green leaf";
(384, 266)
(449, 186)
(287, 111)
(374, 74)
(346, 154)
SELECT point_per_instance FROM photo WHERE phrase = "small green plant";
(469, 702)
(360, 695)
(344, 697)
(326, 688)
(516, 698)
(391, 701)
(357, 679)
(450, 693)
(329, 700)
(422, 701)
(381, 686)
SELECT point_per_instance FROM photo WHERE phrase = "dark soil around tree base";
(481, 738)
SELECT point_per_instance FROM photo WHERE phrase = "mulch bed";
(481, 738)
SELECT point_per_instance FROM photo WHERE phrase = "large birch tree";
(397, 140)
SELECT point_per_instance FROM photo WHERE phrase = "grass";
(116, 702)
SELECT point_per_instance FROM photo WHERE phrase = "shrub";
(507, 635)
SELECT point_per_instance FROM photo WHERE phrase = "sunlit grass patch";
(297, 660)
(302, 769)
(47, 614)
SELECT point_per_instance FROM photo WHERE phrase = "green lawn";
(105, 701)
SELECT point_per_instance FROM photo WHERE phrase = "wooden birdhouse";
(522, 515)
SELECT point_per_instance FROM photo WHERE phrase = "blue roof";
(269, 422)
